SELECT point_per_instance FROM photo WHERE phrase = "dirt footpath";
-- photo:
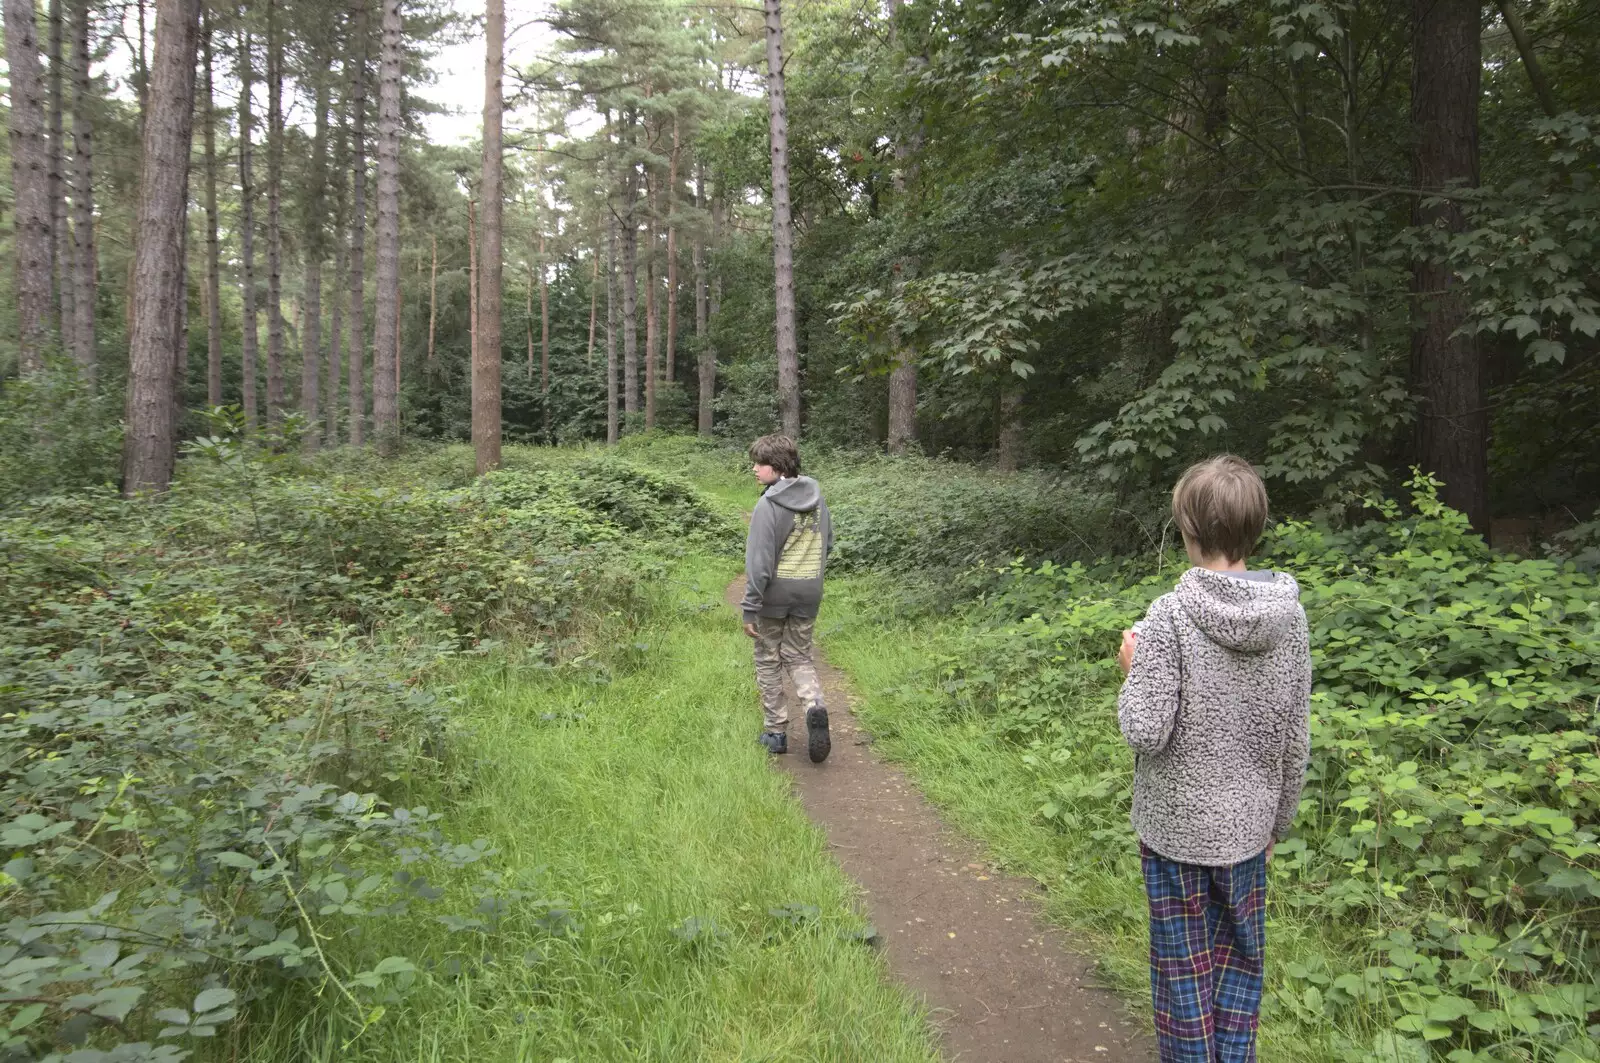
(1002, 983)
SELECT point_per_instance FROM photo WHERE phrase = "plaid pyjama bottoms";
(1207, 931)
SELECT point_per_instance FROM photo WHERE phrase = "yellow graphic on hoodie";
(801, 557)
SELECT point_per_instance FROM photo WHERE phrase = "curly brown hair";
(779, 452)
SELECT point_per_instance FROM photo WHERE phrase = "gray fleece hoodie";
(1217, 710)
(787, 551)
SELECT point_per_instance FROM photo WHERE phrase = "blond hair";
(1220, 505)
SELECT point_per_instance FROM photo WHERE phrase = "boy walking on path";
(1216, 706)
(785, 555)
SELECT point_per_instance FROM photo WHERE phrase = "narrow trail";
(1004, 986)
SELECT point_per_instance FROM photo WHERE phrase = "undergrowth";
(1439, 898)
(219, 705)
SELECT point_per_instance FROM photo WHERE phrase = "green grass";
(990, 788)
(626, 800)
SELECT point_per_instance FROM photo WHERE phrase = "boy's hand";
(1125, 656)
(750, 629)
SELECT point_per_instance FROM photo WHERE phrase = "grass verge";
(652, 891)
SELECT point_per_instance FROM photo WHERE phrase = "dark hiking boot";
(818, 744)
(775, 741)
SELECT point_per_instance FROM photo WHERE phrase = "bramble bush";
(1448, 842)
(213, 705)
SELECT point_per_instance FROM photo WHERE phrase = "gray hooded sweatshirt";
(791, 536)
(1217, 709)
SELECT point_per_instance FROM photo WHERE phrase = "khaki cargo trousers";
(783, 647)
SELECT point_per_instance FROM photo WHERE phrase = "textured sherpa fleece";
(1217, 709)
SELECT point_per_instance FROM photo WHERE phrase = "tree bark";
(630, 287)
(782, 227)
(148, 449)
(714, 297)
(30, 182)
(315, 249)
(544, 337)
(357, 368)
(341, 256)
(433, 295)
(651, 310)
(83, 262)
(903, 378)
(213, 248)
(1009, 450)
(275, 391)
(706, 355)
(672, 257)
(61, 231)
(386, 331)
(594, 304)
(527, 319)
(1447, 369)
(247, 230)
(611, 330)
(141, 69)
(472, 279)
(486, 361)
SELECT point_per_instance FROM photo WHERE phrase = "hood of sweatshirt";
(800, 495)
(1248, 615)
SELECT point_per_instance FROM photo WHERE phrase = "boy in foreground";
(785, 555)
(1216, 706)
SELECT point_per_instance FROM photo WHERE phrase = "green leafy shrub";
(211, 710)
(56, 433)
(1449, 838)
(910, 513)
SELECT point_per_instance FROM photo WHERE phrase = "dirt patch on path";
(1004, 986)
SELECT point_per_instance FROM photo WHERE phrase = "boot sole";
(818, 743)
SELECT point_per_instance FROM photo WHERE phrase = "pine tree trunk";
(611, 330)
(149, 445)
(331, 401)
(714, 297)
(357, 368)
(782, 227)
(630, 289)
(213, 248)
(433, 296)
(1009, 448)
(544, 338)
(30, 183)
(61, 231)
(83, 261)
(594, 305)
(341, 257)
(486, 360)
(247, 229)
(180, 350)
(527, 320)
(141, 69)
(651, 317)
(707, 357)
(275, 392)
(386, 331)
(672, 257)
(472, 279)
(315, 248)
(1447, 369)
